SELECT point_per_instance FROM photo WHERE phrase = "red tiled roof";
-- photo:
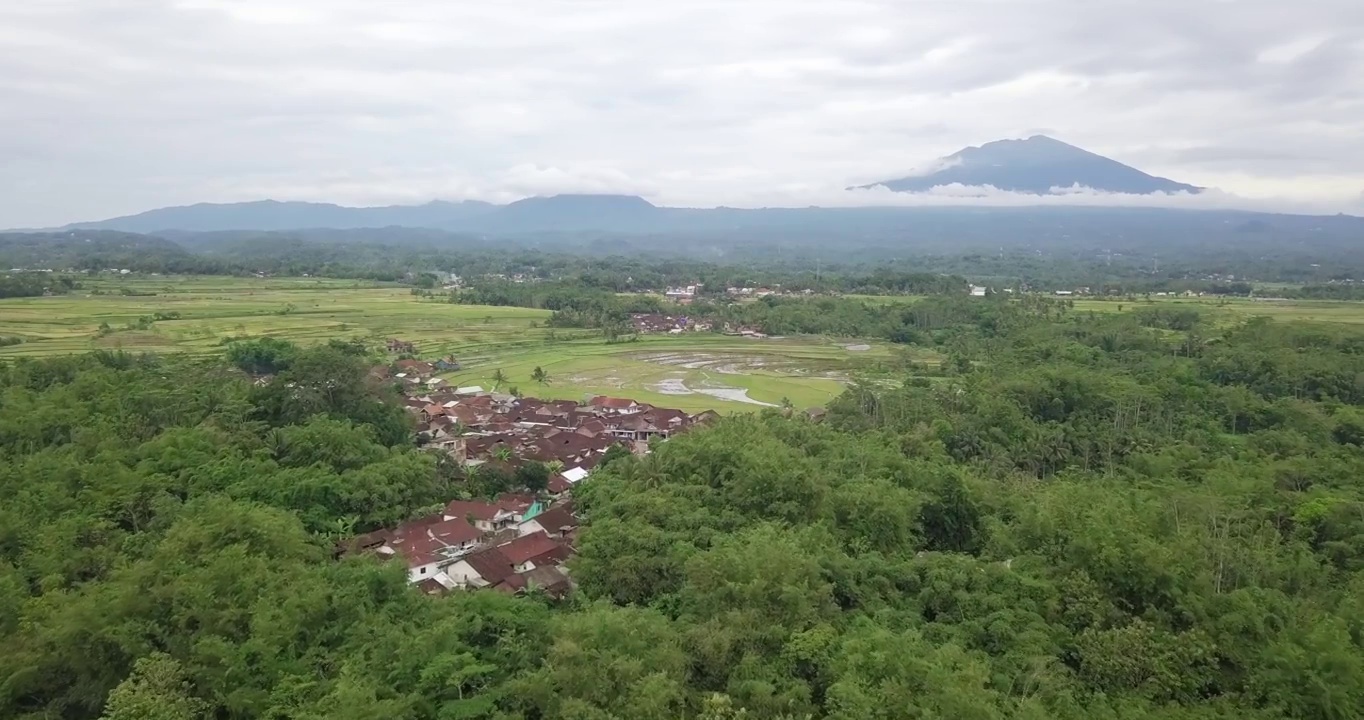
(514, 502)
(535, 546)
(455, 531)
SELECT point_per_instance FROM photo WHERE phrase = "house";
(705, 417)
(439, 584)
(977, 290)
(551, 580)
(557, 522)
(447, 364)
(401, 346)
(535, 550)
(484, 516)
(416, 368)
(427, 544)
(558, 486)
(610, 404)
(686, 292)
(483, 568)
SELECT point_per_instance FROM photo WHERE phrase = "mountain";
(1035, 165)
(275, 215)
(559, 212)
(574, 212)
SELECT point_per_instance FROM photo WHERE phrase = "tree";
(498, 378)
(157, 689)
(533, 476)
(539, 375)
(614, 453)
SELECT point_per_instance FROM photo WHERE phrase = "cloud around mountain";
(1037, 165)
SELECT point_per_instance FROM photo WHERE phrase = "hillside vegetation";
(1114, 516)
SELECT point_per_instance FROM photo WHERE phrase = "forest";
(1140, 515)
(33, 284)
(846, 261)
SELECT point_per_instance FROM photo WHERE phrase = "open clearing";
(691, 372)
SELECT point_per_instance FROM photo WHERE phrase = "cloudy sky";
(115, 106)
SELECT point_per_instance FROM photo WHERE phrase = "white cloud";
(109, 108)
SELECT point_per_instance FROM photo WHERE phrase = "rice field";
(1315, 311)
(693, 372)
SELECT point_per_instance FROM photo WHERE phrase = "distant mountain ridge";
(568, 212)
(1035, 165)
(277, 215)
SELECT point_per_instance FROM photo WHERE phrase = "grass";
(1228, 309)
(656, 369)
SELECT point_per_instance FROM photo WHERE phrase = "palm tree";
(499, 377)
(539, 375)
(503, 453)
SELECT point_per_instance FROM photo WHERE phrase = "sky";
(110, 107)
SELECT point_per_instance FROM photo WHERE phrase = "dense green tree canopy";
(1130, 516)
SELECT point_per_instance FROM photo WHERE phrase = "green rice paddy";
(693, 372)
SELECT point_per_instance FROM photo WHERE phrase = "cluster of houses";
(477, 428)
(656, 323)
(517, 542)
(683, 294)
(742, 292)
(513, 544)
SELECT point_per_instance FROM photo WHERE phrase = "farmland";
(691, 372)
(1227, 309)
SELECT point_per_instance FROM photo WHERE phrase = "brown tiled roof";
(417, 525)
(558, 485)
(470, 508)
(431, 586)
(512, 585)
(491, 565)
(591, 427)
(514, 502)
(548, 578)
(610, 402)
(536, 546)
(557, 519)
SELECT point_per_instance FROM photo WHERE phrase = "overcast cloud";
(110, 107)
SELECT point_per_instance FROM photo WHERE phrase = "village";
(519, 540)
